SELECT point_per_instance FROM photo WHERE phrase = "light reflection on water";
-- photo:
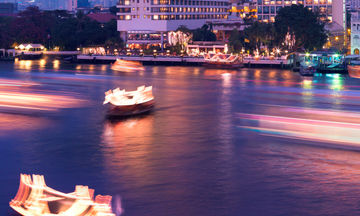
(195, 154)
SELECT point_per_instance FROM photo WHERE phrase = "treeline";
(295, 27)
(56, 29)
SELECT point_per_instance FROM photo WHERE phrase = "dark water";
(246, 142)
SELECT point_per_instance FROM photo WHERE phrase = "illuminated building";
(355, 32)
(247, 10)
(71, 5)
(331, 10)
(148, 21)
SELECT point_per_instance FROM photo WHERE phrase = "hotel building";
(148, 21)
(331, 10)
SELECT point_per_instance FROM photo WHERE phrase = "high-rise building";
(8, 8)
(148, 21)
(331, 10)
(71, 5)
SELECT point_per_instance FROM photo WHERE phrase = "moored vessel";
(224, 61)
(307, 69)
(127, 66)
(127, 103)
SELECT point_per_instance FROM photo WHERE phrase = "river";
(219, 142)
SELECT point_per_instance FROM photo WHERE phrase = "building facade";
(8, 8)
(355, 33)
(148, 21)
(331, 10)
(71, 5)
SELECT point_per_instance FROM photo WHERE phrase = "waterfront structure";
(336, 38)
(355, 32)
(203, 47)
(330, 10)
(223, 28)
(147, 22)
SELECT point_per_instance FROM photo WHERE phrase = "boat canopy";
(120, 97)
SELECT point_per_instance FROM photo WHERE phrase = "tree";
(236, 41)
(259, 34)
(184, 29)
(113, 10)
(300, 25)
(6, 36)
(32, 26)
(204, 34)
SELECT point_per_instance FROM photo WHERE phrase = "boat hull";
(223, 66)
(354, 71)
(307, 71)
(131, 110)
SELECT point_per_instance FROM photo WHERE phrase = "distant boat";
(127, 103)
(224, 61)
(35, 198)
(127, 66)
(307, 69)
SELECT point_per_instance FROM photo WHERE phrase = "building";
(352, 4)
(244, 10)
(8, 8)
(331, 10)
(355, 32)
(148, 21)
(71, 5)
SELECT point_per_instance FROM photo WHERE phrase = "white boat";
(220, 60)
(126, 103)
(35, 198)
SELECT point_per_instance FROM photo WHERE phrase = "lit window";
(128, 17)
(155, 17)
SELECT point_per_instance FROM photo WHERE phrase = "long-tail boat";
(35, 198)
(224, 61)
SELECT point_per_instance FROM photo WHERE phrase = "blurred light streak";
(35, 198)
(13, 83)
(11, 123)
(13, 97)
(329, 131)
